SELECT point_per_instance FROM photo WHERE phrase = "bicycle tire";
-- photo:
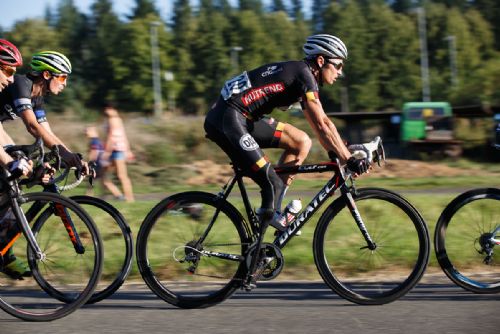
(169, 232)
(60, 263)
(118, 272)
(372, 277)
(463, 222)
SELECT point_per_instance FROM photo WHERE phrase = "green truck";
(428, 127)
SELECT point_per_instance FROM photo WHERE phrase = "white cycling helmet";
(325, 45)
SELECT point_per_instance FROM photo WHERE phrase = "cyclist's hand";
(70, 159)
(87, 170)
(48, 173)
(20, 167)
(358, 166)
(361, 151)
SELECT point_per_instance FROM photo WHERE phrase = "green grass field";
(424, 194)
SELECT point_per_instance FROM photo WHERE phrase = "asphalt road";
(281, 307)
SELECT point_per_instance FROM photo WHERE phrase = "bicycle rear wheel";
(382, 275)
(117, 242)
(463, 240)
(185, 262)
(70, 272)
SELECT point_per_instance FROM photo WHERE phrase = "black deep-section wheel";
(184, 258)
(463, 240)
(381, 275)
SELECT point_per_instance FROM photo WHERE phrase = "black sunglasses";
(338, 66)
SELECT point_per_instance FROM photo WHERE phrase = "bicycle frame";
(338, 181)
(24, 219)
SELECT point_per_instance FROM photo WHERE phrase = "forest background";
(199, 48)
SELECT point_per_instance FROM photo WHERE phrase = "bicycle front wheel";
(71, 262)
(467, 233)
(117, 242)
(190, 249)
(381, 275)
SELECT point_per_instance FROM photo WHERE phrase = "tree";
(184, 31)
(347, 22)
(144, 8)
(104, 33)
(317, 10)
(402, 6)
(253, 5)
(490, 10)
(132, 66)
(277, 6)
(32, 35)
(71, 27)
(212, 64)
(297, 10)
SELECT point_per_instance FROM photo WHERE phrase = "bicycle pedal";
(249, 286)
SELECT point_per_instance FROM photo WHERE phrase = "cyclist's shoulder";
(21, 87)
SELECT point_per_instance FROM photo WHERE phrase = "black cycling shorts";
(240, 137)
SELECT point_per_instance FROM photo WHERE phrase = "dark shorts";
(241, 138)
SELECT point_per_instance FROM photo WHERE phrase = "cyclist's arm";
(38, 129)
(5, 139)
(47, 128)
(4, 157)
(325, 129)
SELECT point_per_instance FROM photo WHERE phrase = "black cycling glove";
(71, 159)
(358, 166)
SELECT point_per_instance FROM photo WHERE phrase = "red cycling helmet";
(9, 54)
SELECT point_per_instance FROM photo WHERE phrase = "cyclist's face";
(57, 83)
(332, 69)
(6, 76)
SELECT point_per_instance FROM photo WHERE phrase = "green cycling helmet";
(51, 61)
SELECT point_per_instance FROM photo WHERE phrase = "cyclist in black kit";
(10, 59)
(237, 121)
(23, 98)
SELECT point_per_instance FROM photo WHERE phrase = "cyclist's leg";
(229, 129)
(270, 133)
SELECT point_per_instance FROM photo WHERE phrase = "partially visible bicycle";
(466, 237)
(115, 233)
(62, 248)
(371, 246)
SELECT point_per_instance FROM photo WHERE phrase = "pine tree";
(104, 33)
(143, 8)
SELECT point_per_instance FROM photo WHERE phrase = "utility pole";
(452, 47)
(424, 58)
(155, 64)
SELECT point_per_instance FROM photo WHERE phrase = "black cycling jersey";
(236, 123)
(16, 98)
(275, 85)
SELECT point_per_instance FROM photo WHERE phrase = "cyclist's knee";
(305, 144)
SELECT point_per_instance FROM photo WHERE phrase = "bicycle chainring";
(273, 254)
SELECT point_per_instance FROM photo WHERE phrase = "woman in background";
(116, 153)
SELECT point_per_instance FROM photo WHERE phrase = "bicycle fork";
(28, 233)
(370, 244)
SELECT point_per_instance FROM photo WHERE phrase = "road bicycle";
(466, 234)
(61, 245)
(370, 246)
(115, 233)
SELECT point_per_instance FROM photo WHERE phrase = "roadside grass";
(299, 263)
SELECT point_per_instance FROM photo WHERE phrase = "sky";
(15, 10)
